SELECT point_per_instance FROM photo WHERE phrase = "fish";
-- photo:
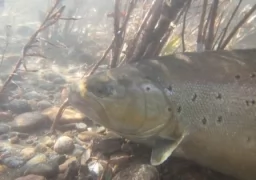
(199, 106)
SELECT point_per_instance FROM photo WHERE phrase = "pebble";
(13, 161)
(81, 127)
(4, 129)
(29, 121)
(31, 177)
(19, 106)
(28, 153)
(48, 169)
(68, 116)
(40, 158)
(138, 171)
(41, 105)
(14, 140)
(64, 145)
(34, 95)
(47, 141)
(41, 148)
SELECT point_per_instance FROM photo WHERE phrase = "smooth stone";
(88, 136)
(14, 140)
(64, 145)
(41, 105)
(48, 169)
(138, 171)
(13, 162)
(4, 129)
(47, 141)
(5, 116)
(29, 121)
(19, 106)
(31, 177)
(78, 150)
(40, 158)
(34, 95)
(41, 148)
(48, 86)
(68, 116)
(28, 153)
(81, 127)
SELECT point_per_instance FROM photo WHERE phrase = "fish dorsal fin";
(163, 149)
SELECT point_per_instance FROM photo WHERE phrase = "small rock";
(13, 161)
(47, 141)
(28, 153)
(29, 121)
(14, 140)
(59, 80)
(41, 105)
(64, 145)
(34, 95)
(78, 151)
(88, 136)
(63, 167)
(81, 127)
(4, 129)
(5, 116)
(41, 148)
(96, 168)
(138, 171)
(40, 158)
(31, 177)
(3, 169)
(47, 169)
(48, 86)
(108, 146)
(19, 106)
(68, 116)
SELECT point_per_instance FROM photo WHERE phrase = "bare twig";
(59, 114)
(200, 28)
(117, 42)
(138, 33)
(49, 20)
(7, 41)
(184, 26)
(122, 31)
(213, 15)
(239, 24)
(227, 26)
(101, 59)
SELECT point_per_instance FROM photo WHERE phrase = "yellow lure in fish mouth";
(82, 88)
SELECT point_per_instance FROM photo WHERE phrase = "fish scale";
(199, 106)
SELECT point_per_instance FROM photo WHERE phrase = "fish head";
(123, 100)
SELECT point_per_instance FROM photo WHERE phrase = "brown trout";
(198, 106)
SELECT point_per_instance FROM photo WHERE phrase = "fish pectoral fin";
(162, 150)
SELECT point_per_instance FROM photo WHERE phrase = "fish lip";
(83, 105)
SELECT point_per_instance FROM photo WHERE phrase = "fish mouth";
(85, 105)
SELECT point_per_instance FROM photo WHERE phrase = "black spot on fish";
(253, 102)
(249, 139)
(169, 109)
(179, 109)
(148, 88)
(169, 88)
(253, 75)
(204, 121)
(220, 119)
(194, 97)
(238, 76)
(247, 103)
(219, 96)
